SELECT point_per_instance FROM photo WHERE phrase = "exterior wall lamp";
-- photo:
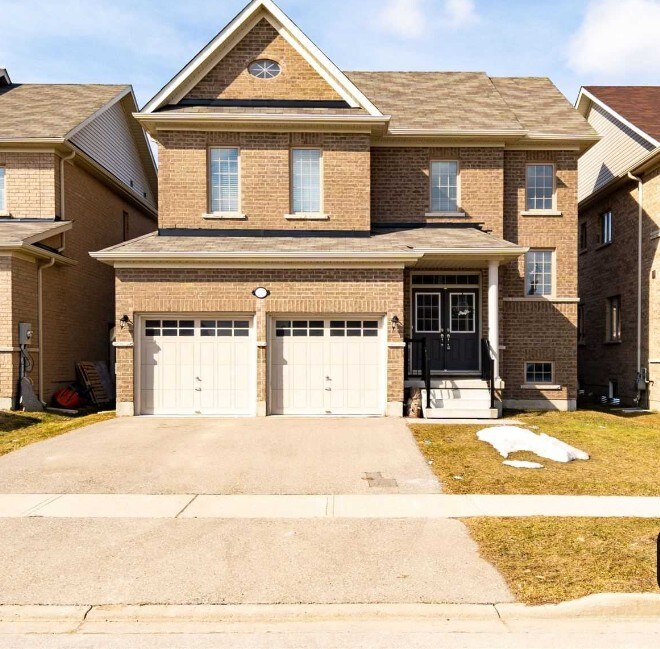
(261, 293)
(124, 320)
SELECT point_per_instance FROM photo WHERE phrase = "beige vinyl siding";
(109, 140)
(619, 148)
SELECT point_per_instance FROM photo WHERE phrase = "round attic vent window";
(264, 69)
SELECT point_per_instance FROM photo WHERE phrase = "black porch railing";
(416, 362)
(488, 368)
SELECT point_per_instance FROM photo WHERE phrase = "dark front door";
(448, 320)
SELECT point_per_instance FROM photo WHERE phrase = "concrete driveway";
(224, 456)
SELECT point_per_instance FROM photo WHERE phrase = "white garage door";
(196, 366)
(326, 367)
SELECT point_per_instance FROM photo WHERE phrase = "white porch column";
(494, 312)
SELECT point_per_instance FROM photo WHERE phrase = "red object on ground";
(68, 398)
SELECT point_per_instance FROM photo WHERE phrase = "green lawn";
(18, 429)
(547, 560)
(624, 450)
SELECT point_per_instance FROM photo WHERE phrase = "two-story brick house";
(619, 264)
(76, 174)
(311, 221)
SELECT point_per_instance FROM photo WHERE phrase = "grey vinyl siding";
(109, 140)
(619, 148)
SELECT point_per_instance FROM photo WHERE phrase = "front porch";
(452, 349)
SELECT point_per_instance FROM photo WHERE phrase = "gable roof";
(638, 105)
(4, 77)
(219, 46)
(43, 111)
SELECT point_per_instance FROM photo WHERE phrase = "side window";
(306, 181)
(583, 236)
(3, 204)
(223, 176)
(540, 190)
(606, 227)
(444, 186)
(539, 273)
(580, 324)
(613, 320)
(125, 225)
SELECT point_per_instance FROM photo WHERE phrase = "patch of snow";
(508, 439)
(523, 464)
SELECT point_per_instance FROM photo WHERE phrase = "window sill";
(307, 216)
(227, 216)
(583, 250)
(2, 213)
(612, 342)
(603, 245)
(541, 213)
(457, 214)
(540, 386)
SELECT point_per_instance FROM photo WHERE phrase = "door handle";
(328, 389)
(327, 378)
(448, 337)
(198, 389)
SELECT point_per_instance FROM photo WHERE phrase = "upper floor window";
(538, 273)
(583, 235)
(224, 180)
(306, 181)
(444, 186)
(2, 189)
(613, 320)
(606, 227)
(540, 187)
(264, 69)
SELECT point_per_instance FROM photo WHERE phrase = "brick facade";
(610, 270)
(30, 188)
(231, 80)
(78, 301)
(265, 180)
(372, 292)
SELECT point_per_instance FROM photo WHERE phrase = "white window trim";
(224, 214)
(320, 215)
(609, 340)
(432, 331)
(601, 218)
(3, 206)
(432, 212)
(553, 275)
(550, 385)
(553, 211)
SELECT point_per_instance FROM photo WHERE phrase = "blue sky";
(145, 42)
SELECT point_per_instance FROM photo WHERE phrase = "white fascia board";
(486, 253)
(213, 52)
(111, 255)
(617, 116)
(36, 251)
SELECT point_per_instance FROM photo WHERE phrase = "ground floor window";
(580, 323)
(538, 372)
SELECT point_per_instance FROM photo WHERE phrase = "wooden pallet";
(95, 378)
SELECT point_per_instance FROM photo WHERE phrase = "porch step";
(461, 413)
(459, 403)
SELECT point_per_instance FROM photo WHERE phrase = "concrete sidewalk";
(350, 506)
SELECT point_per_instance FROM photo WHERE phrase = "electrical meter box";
(24, 333)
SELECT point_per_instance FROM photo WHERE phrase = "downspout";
(41, 324)
(40, 310)
(640, 207)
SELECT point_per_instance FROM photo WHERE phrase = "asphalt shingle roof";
(471, 101)
(640, 105)
(45, 111)
(17, 232)
(386, 241)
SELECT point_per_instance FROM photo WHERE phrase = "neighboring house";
(619, 264)
(311, 220)
(76, 174)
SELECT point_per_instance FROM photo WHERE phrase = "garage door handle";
(328, 389)
(198, 389)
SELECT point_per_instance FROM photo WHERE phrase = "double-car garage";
(319, 365)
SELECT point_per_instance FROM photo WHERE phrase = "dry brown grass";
(624, 452)
(18, 429)
(548, 560)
